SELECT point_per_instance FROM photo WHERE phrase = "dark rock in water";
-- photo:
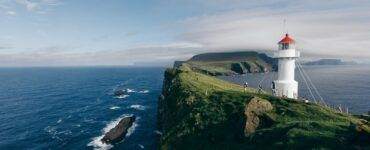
(119, 132)
(120, 92)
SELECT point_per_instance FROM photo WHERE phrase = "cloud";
(4, 47)
(39, 6)
(321, 28)
(51, 2)
(340, 31)
(110, 36)
(131, 33)
(11, 13)
(148, 53)
(31, 6)
(65, 56)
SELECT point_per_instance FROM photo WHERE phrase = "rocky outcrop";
(177, 64)
(231, 63)
(196, 111)
(255, 113)
(119, 132)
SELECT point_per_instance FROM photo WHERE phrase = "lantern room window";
(286, 43)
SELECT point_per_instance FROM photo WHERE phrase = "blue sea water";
(71, 108)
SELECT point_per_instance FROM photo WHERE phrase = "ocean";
(72, 107)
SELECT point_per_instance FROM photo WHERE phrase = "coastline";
(196, 106)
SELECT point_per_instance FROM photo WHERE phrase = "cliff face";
(232, 63)
(197, 111)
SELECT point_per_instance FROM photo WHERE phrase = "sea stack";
(285, 85)
(119, 132)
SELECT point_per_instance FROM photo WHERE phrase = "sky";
(157, 32)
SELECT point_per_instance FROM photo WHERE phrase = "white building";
(285, 85)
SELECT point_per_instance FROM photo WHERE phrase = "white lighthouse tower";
(285, 85)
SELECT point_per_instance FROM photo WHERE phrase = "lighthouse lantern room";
(285, 85)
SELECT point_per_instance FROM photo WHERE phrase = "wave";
(132, 129)
(130, 90)
(138, 107)
(99, 145)
(158, 132)
(55, 134)
(89, 120)
(141, 146)
(144, 91)
(114, 107)
(122, 96)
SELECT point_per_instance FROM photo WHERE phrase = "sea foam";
(138, 107)
(114, 107)
(122, 96)
(130, 90)
(141, 146)
(144, 91)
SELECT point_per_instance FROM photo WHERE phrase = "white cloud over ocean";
(147, 55)
(176, 30)
(342, 32)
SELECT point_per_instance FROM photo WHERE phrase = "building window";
(285, 46)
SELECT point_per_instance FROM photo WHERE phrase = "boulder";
(256, 115)
(119, 132)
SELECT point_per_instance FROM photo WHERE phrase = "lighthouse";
(285, 85)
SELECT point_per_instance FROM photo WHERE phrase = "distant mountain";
(329, 62)
(227, 63)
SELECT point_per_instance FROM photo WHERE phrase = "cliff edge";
(228, 63)
(197, 111)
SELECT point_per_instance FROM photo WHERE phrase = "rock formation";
(255, 112)
(119, 132)
(231, 63)
(191, 119)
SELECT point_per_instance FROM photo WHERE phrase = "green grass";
(202, 112)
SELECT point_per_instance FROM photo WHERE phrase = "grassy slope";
(202, 112)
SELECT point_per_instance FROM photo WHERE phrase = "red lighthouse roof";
(286, 40)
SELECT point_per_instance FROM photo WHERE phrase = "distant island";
(227, 63)
(330, 62)
(199, 111)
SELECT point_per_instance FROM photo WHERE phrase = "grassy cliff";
(197, 111)
(227, 63)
